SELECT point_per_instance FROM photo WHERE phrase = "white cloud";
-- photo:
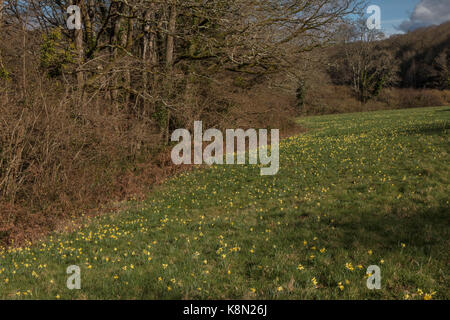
(426, 13)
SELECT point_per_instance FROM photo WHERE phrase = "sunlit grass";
(356, 190)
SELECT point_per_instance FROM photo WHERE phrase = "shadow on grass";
(428, 129)
(444, 110)
(423, 229)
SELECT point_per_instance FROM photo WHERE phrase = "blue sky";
(399, 16)
(394, 12)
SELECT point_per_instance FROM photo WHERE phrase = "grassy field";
(356, 190)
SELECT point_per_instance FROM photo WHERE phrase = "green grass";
(356, 190)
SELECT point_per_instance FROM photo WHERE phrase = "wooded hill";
(424, 57)
(363, 70)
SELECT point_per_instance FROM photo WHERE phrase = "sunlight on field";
(355, 190)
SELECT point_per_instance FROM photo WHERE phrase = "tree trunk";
(1, 12)
(171, 36)
(149, 46)
(115, 42)
(87, 18)
(79, 46)
(170, 48)
(127, 43)
(24, 53)
(80, 54)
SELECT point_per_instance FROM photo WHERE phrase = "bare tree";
(171, 34)
(124, 47)
(362, 62)
(442, 65)
(1, 12)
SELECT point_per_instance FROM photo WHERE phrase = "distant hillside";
(424, 57)
(364, 71)
(419, 59)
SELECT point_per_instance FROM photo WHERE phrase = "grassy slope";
(358, 189)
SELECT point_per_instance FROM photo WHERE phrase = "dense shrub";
(338, 99)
